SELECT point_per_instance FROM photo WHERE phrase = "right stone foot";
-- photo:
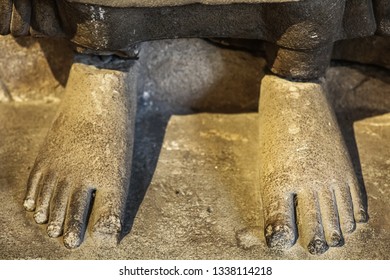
(84, 164)
(309, 188)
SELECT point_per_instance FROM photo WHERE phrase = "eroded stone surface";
(84, 163)
(203, 194)
(32, 69)
(306, 175)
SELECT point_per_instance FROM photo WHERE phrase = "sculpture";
(298, 132)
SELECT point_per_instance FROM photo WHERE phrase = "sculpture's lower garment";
(304, 163)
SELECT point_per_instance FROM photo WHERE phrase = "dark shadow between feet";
(148, 139)
(346, 120)
(204, 78)
(169, 89)
(355, 103)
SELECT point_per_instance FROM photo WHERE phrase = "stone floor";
(194, 191)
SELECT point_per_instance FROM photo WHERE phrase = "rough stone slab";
(203, 201)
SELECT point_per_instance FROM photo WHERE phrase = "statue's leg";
(5, 16)
(382, 15)
(309, 188)
(85, 160)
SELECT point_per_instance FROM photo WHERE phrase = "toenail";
(336, 239)
(351, 227)
(108, 225)
(71, 240)
(317, 246)
(363, 217)
(29, 204)
(279, 237)
(54, 230)
(40, 217)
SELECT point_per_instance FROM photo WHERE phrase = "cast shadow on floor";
(151, 125)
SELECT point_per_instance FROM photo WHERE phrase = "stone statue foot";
(82, 171)
(309, 188)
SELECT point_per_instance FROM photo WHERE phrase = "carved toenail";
(336, 239)
(54, 230)
(351, 227)
(279, 237)
(108, 225)
(29, 204)
(71, 240)
(40, 217)
(317, 246)
(362, 217)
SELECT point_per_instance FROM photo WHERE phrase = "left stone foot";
(308, 184)
(86, 157)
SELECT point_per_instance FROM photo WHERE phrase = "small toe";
(318, 245)
(359, 205)
(54, 230)
(42, 207)
(32, 188)
(58, 209)
(77, 217)
(345, 208)
(310, 224)
(108, 224)
(330, 217)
